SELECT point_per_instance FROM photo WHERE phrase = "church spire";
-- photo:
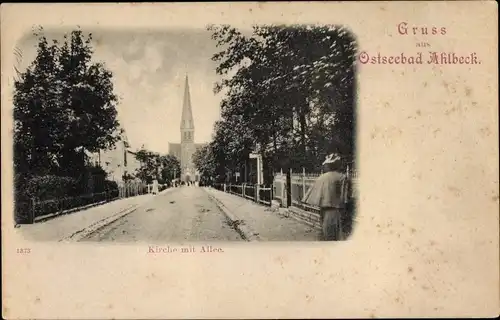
(187, 114)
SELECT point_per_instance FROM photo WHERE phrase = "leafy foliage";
(51, 187)
(128, 177)
(155, 166)
(170, 168)
(289, 94)
(63, 104)
(204, 161)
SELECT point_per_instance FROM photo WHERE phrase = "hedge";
(53, 189)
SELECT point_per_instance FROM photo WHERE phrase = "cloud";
(149, 69)
(152, 58)
(135, 46)
(135, 71)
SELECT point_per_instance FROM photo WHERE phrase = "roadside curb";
(65, 212)
(51, 216)
(233, 220)
(96, 226)
(303, 217)
(168, 190)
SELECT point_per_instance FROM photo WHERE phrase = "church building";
(184, 151)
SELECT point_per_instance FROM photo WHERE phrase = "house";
(118, 161)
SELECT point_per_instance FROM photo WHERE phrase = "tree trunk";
(303, 129)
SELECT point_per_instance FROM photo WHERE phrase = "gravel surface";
(185, 214)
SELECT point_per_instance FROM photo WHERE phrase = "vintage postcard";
(250, 160)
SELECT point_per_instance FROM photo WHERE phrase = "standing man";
(329, 193)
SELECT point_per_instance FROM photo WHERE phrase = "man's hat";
(332, 158)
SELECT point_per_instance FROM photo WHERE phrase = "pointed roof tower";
(187, 114)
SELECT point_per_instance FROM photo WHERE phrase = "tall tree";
(36, 109)
(156, 166)
(64, 104)
(170, 168)
(90, 103)
(204, 160)
(290, 89)
(149, 167)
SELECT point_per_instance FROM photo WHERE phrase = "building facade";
(184, 150)
(118, 161)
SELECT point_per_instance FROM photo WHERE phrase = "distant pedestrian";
(155, 187)
(329, 194)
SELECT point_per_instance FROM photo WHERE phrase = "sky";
(149, 69)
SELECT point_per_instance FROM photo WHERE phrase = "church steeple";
(187, 114)
(184, 151)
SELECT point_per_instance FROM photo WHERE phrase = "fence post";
(31, 214)
(273, 187)
(257, 195)
(303, 182)
(283, 191)
(271, 196)
(243, 190)
(289, 196)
